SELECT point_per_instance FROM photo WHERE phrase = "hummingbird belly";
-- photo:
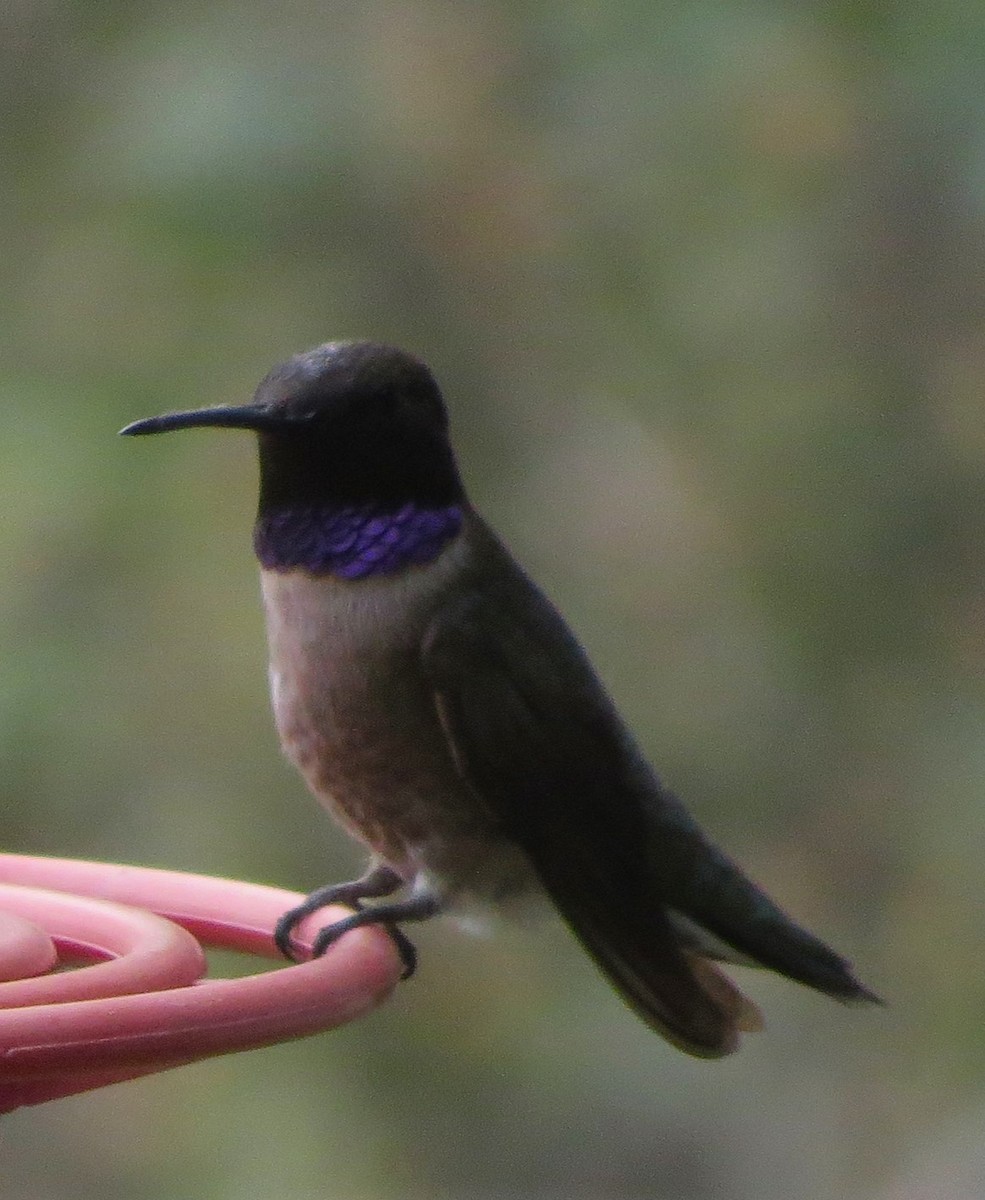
(356, 716)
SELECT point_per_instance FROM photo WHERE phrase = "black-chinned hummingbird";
(438, 706)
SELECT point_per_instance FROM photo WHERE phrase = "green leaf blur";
(703, 286)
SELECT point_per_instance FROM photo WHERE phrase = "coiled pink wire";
(138, 1000)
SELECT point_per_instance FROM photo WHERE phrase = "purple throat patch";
(353, 543)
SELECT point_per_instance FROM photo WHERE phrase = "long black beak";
(246, 416)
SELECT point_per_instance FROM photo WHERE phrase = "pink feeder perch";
(139, 1002)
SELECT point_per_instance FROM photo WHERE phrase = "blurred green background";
(703, 284)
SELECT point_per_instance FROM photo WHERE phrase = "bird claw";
(284, 930)
(330, 934)
(405, 948)
(381, 881)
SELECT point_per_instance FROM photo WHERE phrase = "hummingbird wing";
(538, 740)
(652, 899)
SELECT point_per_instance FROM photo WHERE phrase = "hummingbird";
(438, 706)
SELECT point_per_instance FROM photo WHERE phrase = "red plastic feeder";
(138, 1000)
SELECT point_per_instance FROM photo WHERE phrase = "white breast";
(356, 716)
(350, 618)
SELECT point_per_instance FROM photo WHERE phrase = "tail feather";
(680, 995)
(714, 896)
(657, 932)
(746, 1016)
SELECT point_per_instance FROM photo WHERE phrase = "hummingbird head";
(357, 475)
(345, 424)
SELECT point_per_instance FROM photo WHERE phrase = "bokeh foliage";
(703, 285)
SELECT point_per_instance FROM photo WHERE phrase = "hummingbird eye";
(396, 404)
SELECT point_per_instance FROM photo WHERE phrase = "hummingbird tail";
(773, 940)
(681, 995)
(719, 913)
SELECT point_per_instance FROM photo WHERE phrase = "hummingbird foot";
(405, 948)
(379, 880)
(414, 908)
